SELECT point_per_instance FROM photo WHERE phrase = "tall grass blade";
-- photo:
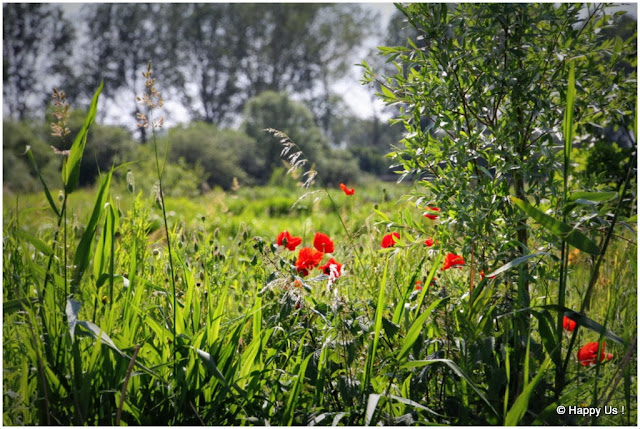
(71, 171)
(294, 394)
(126, 383)
(97, 333)
(13, 305)
(72, 309)
(515, 262)
(558, 228)
(83, 251)
(451, 364)
(371, 355)
(34, 241)
(427, 283)
(372, 404)
(414, 404)
(29, 154)
(588, 323)
(521, 404)
(567, 123)
(416, 328)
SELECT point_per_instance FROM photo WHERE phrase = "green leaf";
(414, 404)
(416, 327)
(36, 242)
(521, 404)
(515, 262)
(72, 309)
(593, 196)
(44, 184)
(83, 251)
(457, 370)
(14, 305)
(558, 228)
(586, 322)
(545, 324)
(372, 403)
(71, 171)
(96, 332)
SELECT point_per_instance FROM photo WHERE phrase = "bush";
(274, 110)
(217, 152)
(18, 174)
(608, 159)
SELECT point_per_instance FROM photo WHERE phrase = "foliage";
(297, 48)
(609, 161)
(17, 174)
(106, 146)
(275, 110)
(127, 307)
(36, 42)
(480, 93)
(217, 152)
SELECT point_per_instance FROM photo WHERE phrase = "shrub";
(18, 174)
(217, 152)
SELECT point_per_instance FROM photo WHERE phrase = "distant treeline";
(201, 155)
(236, 69)
(211, 58)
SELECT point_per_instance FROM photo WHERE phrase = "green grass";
(256, 344)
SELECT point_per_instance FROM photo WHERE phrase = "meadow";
(241, 338)
(494, 284)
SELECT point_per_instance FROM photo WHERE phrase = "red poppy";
(587, 354)
(285, 239)
(419, 283)
(482, 275)
(308, 259)
(568, 324)
(389, 240)
(430, 242)
(431, 215)
(322, 243)
(347, 191)
(452, 260)
(326, 268)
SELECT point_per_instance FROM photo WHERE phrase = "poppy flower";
(568, 324)
(389, 240)
(452, 260)
(326, 268)
(428, 242)
(431, 215)
(587, 354)
(482, 275)
(418, 285)
(347, 191)
(285, 239)
(322, 243)
(308, 259)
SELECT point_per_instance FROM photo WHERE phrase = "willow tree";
(482, 92)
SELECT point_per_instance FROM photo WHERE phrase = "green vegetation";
(490, 286)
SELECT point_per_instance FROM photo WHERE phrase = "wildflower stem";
(159, 172)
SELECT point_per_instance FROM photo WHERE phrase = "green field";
(243, 339)
(211, 275)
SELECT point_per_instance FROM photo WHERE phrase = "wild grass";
(142, 309)
(248, 337)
